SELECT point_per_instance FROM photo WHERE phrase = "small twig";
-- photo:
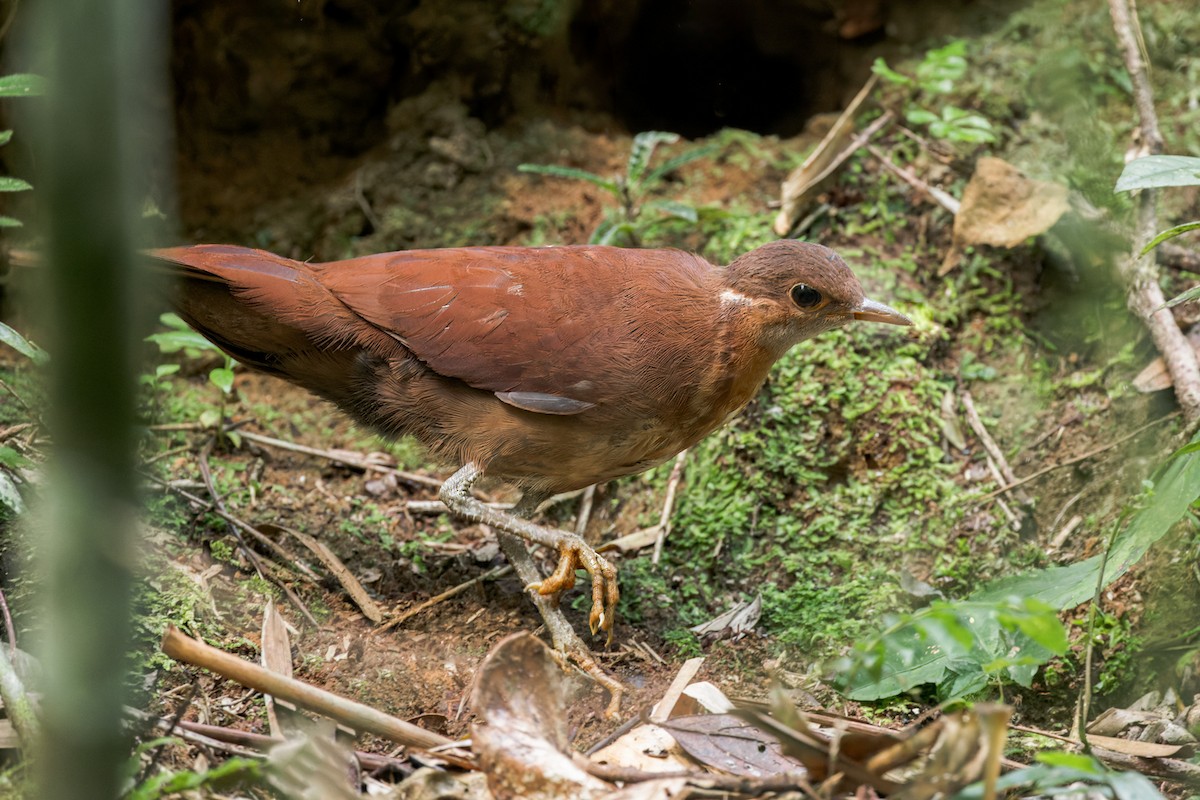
(1178, 257)
(664, 520)
(942, 198)
(498, 572)
(258, 742)
(350, 459)
(1083, 457)
(724, 784)
(9, 629)
(235, 531)
(986, 439)
(167, 454)
(341, 573)
(355, 715)
(17, 397)
(364, 205)
(1085, 697)
(207, 507)
(585, 509)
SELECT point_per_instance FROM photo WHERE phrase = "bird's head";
(798, 290)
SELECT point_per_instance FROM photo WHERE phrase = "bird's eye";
(805, 296)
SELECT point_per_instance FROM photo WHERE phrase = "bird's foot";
(574, 553)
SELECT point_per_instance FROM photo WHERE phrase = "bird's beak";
(871, 311)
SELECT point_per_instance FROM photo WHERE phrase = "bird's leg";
(573, 551)
(566, 641)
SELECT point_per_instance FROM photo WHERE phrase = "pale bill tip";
(872, 311)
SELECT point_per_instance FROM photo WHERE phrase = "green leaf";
(22, 85)
(11, 184)
(163, 370)
(22, 345)
(1169, 233)
(174, 341)
(1059, 758)
(10, 457)
(672, 164)
(957, 646)
(675, 209)
(1177, 487)
(5, 137)
(9, 222)
(1152, 172)
(222, 378)
(880, 68)
(1190, 294)
(920, 116)
(608, 231)
(642, 151)
(558, 171)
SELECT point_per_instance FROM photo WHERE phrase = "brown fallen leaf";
(734, 623)
(1001, 207)
(521, 733)
(726, 743)
(1131, 747)
(276, 656)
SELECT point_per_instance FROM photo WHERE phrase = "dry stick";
(1083, 457)
(343, 458)
(1140, 272)
(989, 443)
(498, 572)
(360, 717)
(943, 199)
(279, 550)
(1173, 255)
(662, 712)
(664, 521)
(219, 504)
(9, 629)
(585, 509)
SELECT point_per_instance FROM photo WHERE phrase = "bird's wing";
(546, 329)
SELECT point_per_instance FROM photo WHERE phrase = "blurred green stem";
(91, 146)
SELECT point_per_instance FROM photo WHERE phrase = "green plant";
(970, 644)
(626, 223)
(937, 74)
(1060, 774)
(22, 85)
(180, 338)
(229, 774)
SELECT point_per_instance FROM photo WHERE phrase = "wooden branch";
(360, 717)
(1140, 272)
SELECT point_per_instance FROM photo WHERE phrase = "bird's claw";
(574, 553)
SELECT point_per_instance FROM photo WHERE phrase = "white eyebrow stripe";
(729, 298)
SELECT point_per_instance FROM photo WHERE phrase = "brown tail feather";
(268, 312)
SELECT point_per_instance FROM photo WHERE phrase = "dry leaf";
(648, 748)
(1155, 377)
(521, 736)
(276, 656)
(820, 164)
(726, 743)
(1134, 748)
(1001, 207)
(736, 622)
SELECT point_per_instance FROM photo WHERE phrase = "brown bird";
(553, 368)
